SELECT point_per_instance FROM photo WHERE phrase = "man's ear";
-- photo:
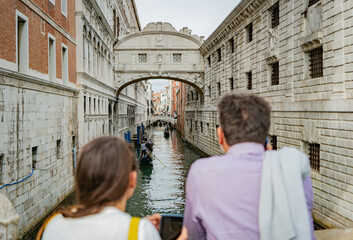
(220, 135)
(133, 179)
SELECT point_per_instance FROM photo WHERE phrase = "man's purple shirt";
(223, 195)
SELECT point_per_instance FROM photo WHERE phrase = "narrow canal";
(160, 188)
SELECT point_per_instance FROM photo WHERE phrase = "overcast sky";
(201, 16)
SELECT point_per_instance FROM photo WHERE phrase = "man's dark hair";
(244, 118)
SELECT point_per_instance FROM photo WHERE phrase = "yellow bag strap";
(134, 226)
(42, 228)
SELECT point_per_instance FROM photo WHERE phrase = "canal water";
(161, 186)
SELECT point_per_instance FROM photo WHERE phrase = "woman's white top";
(109, 224)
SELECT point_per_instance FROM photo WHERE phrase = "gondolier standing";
(143, 148)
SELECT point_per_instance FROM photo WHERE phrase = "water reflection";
(161, 189)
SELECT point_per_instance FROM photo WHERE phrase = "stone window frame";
(64, 7)
(275, 73)
(275, 15)
(249, 32)
(314, 156)
(231, 45)
(219, 54)
(51, 57)
(249, 80)
(64, 63)
(177, 54)
(316, 60)
(219, 89)
(231, 84)
(34, 157)
(22, 49)
(142, 55)
(59, 149)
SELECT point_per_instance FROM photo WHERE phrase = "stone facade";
(51, 104)
(38, 105)
(279, 59)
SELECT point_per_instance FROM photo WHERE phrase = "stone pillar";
(8, 219)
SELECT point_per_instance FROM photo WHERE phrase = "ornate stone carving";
(8, 219)
(159, 41)
(159, 58)
(272, 52)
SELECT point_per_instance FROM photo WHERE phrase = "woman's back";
(108, 224)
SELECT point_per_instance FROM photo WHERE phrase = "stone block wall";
(305, 110)
(38, 130)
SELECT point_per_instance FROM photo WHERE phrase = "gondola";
(146, 160)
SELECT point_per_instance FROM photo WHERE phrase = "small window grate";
(209, 61)
(249, 76)
(274, 142)
(314, 156)
(142, 57)
(231, 44)
(249, 30)
(209, 91)
(312, 2)
(275, 74)
(197, 95)
(219, 54)
(316, 63)
(275, 15)
(192, 96)
(219, 89)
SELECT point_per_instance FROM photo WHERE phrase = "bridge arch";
(159, 51)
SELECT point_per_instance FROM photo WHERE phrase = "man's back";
(223, 194)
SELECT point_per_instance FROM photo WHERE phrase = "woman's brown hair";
(102, 175)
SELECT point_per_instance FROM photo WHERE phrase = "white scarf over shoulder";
(283, 211)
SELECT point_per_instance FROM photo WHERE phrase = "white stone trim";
(51, 37)
(25, 18)
(64, 62)
(53, 2)
(64, 10)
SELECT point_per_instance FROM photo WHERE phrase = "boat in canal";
(146, 160)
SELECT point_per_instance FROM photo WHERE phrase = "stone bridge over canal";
(159, 51)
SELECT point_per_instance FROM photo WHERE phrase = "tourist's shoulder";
(205, 162)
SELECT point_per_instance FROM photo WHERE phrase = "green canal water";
(160, 189)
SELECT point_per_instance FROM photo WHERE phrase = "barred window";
(209, 61)
(197, 95)
(316, 65)
(192, 96)
(201, 125)
(275, 15)
(190, 126)
(219, 54)
(314, 156)
(209, 91)
(176, 57)
(231, 83)
(249, 30)
(249, 78)
(275, 74)
(312, 2)
(142, 57)
(274, 142)
(219, 89)
(231, 44)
